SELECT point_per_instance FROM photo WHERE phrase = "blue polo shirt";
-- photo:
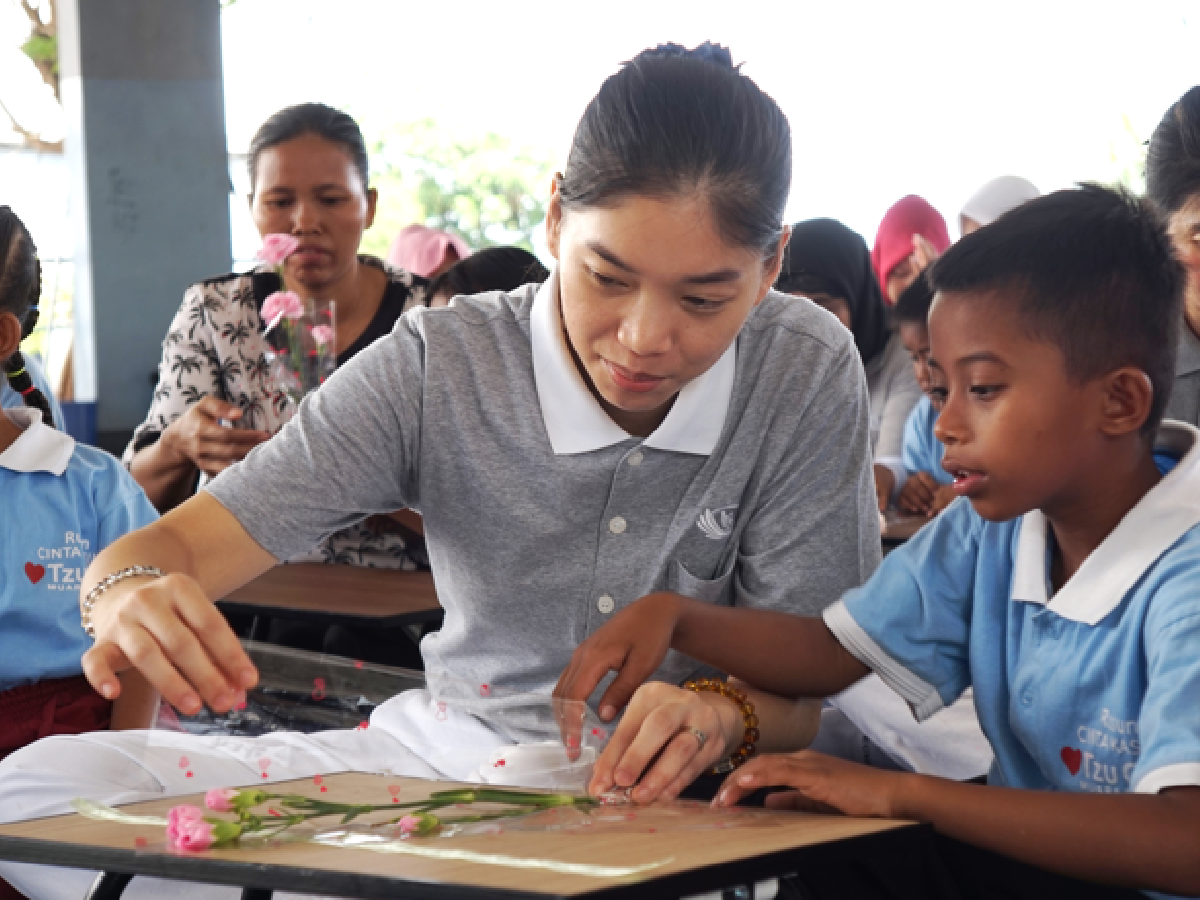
(10, 399)
(1091, 689)
(61, 504)
(921, 451)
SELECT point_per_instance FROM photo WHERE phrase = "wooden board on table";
(342, 590)
(731, 855)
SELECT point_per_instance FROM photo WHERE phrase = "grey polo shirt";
(1184, 404)
(542, 516)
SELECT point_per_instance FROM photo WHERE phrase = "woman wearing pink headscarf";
(426, 251)
(911, 236)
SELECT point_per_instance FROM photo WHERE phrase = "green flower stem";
(301, 809)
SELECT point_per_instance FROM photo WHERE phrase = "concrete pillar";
(145, 145)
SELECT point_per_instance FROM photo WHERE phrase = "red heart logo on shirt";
(1072, 758)
(35, 572)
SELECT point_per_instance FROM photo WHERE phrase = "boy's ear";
(1128, 395)
(10, 335)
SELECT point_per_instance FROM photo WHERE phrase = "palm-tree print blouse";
(215, 346)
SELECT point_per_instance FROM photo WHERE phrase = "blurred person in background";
(426, 251)
(492, 269)
(911, 236)
(993, 200)
(829, 264)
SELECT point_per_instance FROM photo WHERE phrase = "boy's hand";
(942, 497)
(917, 495)
(633, 643)
(823, 784)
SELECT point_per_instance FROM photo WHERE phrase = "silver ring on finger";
(700, 736)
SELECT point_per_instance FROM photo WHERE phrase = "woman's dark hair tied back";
(20, 295)
(324, 121)
(675, 122)
(1173, 159)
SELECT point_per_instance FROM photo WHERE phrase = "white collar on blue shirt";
(1161, 518)
(575, 420)
(40, 448)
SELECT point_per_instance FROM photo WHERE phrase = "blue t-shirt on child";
(1090, 689)
(62, 504)
(10, 399)
(921, 451)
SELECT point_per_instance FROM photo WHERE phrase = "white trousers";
(117, 767)
(869, 717)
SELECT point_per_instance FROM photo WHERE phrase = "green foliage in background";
(481, 187)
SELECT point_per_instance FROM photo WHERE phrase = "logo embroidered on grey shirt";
(717, 524)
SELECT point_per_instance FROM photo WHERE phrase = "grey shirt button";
(605, 604)
(635, 458)
(617, 525)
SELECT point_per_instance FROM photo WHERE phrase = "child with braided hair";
(72, 501)
(19, 373)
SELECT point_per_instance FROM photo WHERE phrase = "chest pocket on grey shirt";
(710, 590)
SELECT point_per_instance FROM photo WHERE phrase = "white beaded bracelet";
(85, 607)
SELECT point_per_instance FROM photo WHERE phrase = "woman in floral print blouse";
(214, 401)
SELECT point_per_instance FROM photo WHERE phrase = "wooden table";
(901, 527)
(668, 862)
(348, 594)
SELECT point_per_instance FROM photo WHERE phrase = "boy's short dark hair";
(1092, 271)
(915, 300)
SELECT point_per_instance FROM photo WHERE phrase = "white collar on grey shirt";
(1161, 518)
(40, 448)
(575, 421)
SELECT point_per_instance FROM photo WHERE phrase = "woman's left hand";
(655, 747)
(823, 784)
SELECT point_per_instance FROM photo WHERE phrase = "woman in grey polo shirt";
(652, 418)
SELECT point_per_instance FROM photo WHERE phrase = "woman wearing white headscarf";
(993, 200)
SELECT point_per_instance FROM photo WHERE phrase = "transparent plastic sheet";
(299, 691)
(380, 832)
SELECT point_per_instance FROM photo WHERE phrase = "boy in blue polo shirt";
(1063, 585)
(62, 504)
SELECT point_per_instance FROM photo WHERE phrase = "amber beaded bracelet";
(749, 720)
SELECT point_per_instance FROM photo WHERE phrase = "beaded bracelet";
(85, 607)
(749, 720)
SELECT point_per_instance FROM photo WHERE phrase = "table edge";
(346, 884)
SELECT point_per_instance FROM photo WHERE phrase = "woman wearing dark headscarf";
(829, 264)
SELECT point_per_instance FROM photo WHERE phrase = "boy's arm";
(744, 643)
(1148, 841)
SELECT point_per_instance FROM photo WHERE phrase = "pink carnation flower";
(221, 799)
(322, 334)
(187, 830)
(285, 303)
(409, 824)
(277, 247)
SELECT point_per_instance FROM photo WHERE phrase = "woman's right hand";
(655, 750)
(170, 631)
(198, 437)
